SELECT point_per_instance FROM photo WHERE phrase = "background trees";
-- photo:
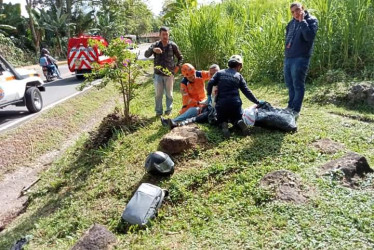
(51, 22)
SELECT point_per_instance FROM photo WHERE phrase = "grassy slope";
(214, 199)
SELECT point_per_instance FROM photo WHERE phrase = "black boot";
(225, 130)
(243, 127)
(172, 124)
(164, 122)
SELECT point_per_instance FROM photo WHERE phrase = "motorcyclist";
(48, 61)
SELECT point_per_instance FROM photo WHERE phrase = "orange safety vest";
(193, 92)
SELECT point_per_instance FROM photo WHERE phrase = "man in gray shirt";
(164, 51)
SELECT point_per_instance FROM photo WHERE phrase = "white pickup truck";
(20, 87)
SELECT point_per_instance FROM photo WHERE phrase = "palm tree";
(55, 20)
(82, 22)
(173, 9)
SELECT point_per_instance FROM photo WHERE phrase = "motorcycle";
(50, 75)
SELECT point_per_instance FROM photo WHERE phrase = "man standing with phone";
(164, 52)
(300, 34)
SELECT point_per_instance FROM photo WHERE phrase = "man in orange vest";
(193, 94)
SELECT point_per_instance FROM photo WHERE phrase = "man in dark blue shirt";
(228, 103)
(300, 34)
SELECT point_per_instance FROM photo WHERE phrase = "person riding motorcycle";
(49, 62)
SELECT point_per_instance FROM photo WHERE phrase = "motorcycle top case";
(144, 204)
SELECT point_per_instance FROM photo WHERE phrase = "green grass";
(49, 130)
(214, 201)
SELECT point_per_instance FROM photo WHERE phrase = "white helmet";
(249, 115)
(236, 58)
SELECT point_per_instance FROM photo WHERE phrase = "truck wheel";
(34, 101)
(80, 77)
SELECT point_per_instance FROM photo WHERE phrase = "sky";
(154, 5)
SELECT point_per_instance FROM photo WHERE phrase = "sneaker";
(59, 77)
(243, 127)
(167, 112)
(164, 122)
(225, 130)
(172, 124)
(296, 115)
(289, 109)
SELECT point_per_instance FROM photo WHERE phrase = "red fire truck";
(81, 55)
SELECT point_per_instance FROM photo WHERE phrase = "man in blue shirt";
(300, 34)
(228, 103)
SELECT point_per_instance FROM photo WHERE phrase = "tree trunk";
(35, 36)
(69, 4)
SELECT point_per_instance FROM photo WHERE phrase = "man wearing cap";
(300, 34)
(228, 102)
(164, 52)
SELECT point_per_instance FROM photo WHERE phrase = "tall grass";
(256, 30)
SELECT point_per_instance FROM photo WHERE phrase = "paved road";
(56, 91)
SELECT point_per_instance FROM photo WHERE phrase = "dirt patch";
(328, 146)
(13, 200)
(286, 186)
(114, 122)
(97, 237)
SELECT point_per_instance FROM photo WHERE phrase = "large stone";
(360, 93)
(97, 237)
(286, 186)
(181, 139)
(351, 164)
(328, 146)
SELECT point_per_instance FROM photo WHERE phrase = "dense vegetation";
(256, 30)
(51, 22)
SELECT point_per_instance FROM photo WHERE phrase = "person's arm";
(51, 59)
(212, 82)
(246, 91)
(178, 55)
(149, 52)
(205, 75)
(309, 28)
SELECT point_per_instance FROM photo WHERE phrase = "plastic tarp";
(275, 118)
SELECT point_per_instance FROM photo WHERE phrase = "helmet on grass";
(159, 163)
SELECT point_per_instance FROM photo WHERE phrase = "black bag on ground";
(275, 118)
(144, 204)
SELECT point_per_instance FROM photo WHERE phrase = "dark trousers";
(229, 112)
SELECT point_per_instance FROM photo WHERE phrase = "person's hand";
(176, 69)
(157, 50)
(209, 100)
(205, 102)
(261, 103)
(301, 16)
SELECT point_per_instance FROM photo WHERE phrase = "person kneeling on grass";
(228, 102)
(193, 94)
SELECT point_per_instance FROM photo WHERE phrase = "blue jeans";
(52, 69)
(295, 70)
(163, 84)
(191, 112)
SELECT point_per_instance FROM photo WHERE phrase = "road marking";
(20, 120)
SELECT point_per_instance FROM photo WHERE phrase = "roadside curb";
(37, 65)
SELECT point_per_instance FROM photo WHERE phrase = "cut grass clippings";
(215, 200)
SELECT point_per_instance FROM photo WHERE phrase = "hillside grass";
(215, 200)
